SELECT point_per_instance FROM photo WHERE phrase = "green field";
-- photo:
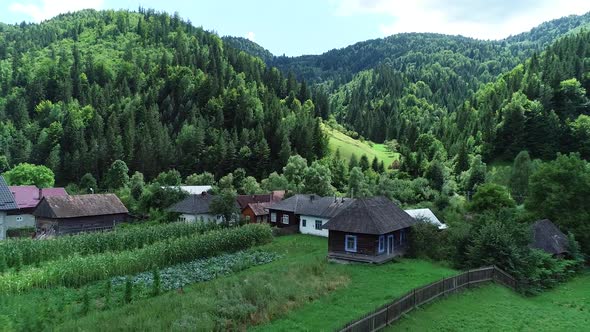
(349, 146)
(299, 291)
(496, 308)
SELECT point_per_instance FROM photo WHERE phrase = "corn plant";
(79, 270)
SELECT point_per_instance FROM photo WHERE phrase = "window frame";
(303, 222)
(273, 217)
(316, 225)
(19, 218)
(285, 217)
(381, 244)
(346, 239)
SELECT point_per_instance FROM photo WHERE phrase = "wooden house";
(548, 237)
(254, 208)
(59, 215)
(27, 198)
(197, 208)
(371, 230)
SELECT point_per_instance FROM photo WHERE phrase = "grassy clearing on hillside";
(493, 307)
(299, 291)
(349, 146)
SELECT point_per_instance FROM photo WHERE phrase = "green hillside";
(349, 146)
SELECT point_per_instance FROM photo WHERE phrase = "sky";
(315, 26)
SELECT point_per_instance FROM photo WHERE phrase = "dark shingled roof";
(547, 237)
(259, 209)
(375, 215)
(7, 201)
(193, 204)
(79, 206)
(313, 205)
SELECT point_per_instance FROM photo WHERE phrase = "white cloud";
(474, 18)
(50, 8)
(251, 36)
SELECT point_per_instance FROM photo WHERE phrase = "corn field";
(21, 252)
(79, 270)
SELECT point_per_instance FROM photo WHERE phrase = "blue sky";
(313, 27)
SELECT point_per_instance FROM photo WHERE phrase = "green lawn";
(349, 146)
(299, 291)
(493, 307)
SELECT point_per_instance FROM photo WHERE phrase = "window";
(19, 218)
(401, 236)
(248, 218)
(350, 243)
(303, 223)
(182, 218)
(318, 225)
(381, 243)
(285, 219)
(273, 217)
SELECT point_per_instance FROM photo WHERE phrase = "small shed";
(548, 237)
(371, 230)
(59, 215)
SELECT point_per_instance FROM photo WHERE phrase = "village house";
(196, 208)
(7, 204)
(371, 230)
(548, 237)
(254, 208)
(302, 211)
(59, 215)
(428, 216)
(27, 198)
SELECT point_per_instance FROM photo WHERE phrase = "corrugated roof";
(79, 206)
(375, 215)
(313, 205)
(426, 215)
(28, 196)
(7, 200)
(547, 237)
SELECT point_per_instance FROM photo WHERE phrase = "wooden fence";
(394, 310)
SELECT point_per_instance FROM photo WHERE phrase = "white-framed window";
(182, 218)
(303, 223)
(318, 225)
(350, 243)
(19, 218)
(285, 219)
(273, 217)
(248, 218)
(381, 243)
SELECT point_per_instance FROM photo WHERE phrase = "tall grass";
(20, 252)
(80, 270)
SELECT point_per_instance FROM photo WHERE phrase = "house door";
(390, 244)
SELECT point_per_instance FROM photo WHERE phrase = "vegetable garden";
(161, 257)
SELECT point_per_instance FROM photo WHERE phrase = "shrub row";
(79, 270)
(20, 252)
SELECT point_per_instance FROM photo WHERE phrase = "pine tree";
(364, 162)
(519, 178)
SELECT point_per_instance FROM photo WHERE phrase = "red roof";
(28, 196)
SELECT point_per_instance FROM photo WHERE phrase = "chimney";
(40, 193)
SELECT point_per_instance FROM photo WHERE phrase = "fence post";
(468, 278)
(415, 298)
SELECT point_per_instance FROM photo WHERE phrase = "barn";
(60, 215)
(370, 230)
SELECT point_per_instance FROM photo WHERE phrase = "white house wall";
(309, 227)
(198, 217)
(12, 222)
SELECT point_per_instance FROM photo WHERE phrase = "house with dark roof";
(254, 208)
(59, 215)
(368, 230)
(548, 237)
(309, 213)
(27, 198)
(7, 204)
(196, 208)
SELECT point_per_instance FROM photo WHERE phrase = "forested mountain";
(406, 84)
(84, 89)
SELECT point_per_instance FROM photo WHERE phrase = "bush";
(78, 270)
(20, 232)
